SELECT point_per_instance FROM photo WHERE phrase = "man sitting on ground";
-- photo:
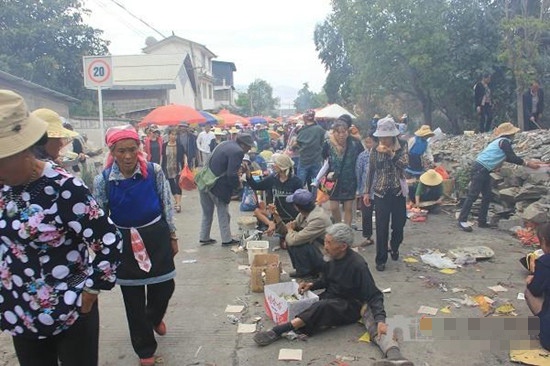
(350, 295)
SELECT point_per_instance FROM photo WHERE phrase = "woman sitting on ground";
(428, 191)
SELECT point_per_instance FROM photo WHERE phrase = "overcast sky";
(269, 40)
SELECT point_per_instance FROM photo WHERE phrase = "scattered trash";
(190, 250)
(243, 267)
(386, 290)
(434, 282)
(446, 309)
(365, 338)
(457, 289)
(427, 310)
(437, 260)
(234, 308)
(256, 319)
(498, 288)
(465, 259)
(448, 271)
(189, 261)
(233, 319)
(466, 300)
(521, 296)
(198, 351)
(478, 252)
(237, 249)
(347, 358)
(506, 309)
(410, 260)
(291, 335)
(483, 304)
(534, 357)
(246, 328)
(288, 354)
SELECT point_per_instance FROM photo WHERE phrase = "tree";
(44, 41)
(260, 98)
(307, 99)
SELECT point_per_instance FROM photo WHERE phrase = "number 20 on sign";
(98, 72)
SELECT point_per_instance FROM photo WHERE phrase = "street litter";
(506, 309)
(521, 296)
(437, 260)
(483, 304)
(427, 310)
(237, 249)
(457, 289)
(288, 354)
(246, 328)
(233, 319)
(534, 357)
(256, 319)
(365, 338)
(190, 250)
(347, 358)
(386, 290)
(446, 309)
(291, 335)
(189, 261)
(478, 252)
(498, 288)
(432, 282)
(234, 308)
(467, 301)
(243, 267)
(448, 271)
(410, 260)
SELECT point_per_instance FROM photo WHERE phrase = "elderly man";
(304, 234)
(350, 295)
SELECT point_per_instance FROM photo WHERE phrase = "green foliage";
(260, 97)
(307, 99)
(44, 41)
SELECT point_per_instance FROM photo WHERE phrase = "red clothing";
(147, 146)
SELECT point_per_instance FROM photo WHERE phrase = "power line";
(138, 18)
(121, 20)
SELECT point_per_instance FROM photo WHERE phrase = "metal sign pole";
(101, 126)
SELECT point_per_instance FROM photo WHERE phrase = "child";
(361, 167)
(537, 293)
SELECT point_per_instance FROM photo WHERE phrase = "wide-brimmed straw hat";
(55, 124)
(18, 129)
(431, 178)
(219, 132)
(424, 131)
(386, 128)
(506, 129)
(234, 130)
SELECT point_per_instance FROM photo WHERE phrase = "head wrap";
(119, 133)
(283, 161)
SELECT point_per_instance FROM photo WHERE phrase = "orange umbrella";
(172, 114)
(230, 119)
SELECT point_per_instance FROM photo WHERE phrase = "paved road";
(199, 332)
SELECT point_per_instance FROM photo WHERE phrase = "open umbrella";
(173, 114)
(210, 118)
(230, 119)
(332, 111)
(257, 119)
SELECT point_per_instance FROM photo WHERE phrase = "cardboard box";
(265, 270)
(278, 308)
(448, 187)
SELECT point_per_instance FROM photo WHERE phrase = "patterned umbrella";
(210, 118)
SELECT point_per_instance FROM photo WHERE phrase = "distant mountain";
(287, 94)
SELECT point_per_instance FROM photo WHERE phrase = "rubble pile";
(520, 194)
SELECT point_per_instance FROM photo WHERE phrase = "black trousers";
(77, 346)
(145, 307)
(366, 218)
(485, 118)
(329, 313)
(306, 258)
(480, 183)
(390, 208)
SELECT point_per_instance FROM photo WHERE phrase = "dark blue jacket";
(226, 158)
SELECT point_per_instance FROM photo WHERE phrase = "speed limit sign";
(98, 72)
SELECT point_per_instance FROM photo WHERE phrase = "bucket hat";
(386, 128)
(283, 161)
(245, 139)
(55, 124)
(424, 131)
(18, 129)
(506, 129)
(301, 197)
(431, 178)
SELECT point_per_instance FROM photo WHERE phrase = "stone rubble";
(520, 194)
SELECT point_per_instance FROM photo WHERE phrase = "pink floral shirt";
(47, 233)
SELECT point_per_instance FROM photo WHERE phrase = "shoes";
(367, 242)
(464, 226)
(388, 362)
(207, 241)
(178, 208)
(160, 329)
(151, 361)
(265, 338)
(231, 242)
(394, 255)
(485, 225)
(380, 267)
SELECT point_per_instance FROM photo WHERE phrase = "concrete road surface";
(200, 333)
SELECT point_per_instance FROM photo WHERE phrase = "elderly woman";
(386, 180)
(58, 136)
(137, 196)
(341, 151)
(50, 224)
(279, 186)
(173, 160)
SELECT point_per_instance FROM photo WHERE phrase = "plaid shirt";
(387, 170)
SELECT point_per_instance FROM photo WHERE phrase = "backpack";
(205, 178)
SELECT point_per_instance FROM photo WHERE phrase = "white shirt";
(203, 141)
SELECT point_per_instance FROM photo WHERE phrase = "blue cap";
(301, 197)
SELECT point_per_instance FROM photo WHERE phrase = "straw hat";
(55, 124)
(424, 131)
(506, 129)
(431, 178)
(18, 129)
(386, 128)
(233, 130)
(219, 132)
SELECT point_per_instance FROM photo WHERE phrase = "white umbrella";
(332, 111)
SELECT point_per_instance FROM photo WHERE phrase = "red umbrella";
(230, 119)
(172, 114)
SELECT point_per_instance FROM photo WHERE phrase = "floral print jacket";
(54, 241)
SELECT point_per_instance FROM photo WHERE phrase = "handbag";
(329, 185)
(249, 201)
(187, 180)
(205, 178)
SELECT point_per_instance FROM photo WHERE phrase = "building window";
(210, 92)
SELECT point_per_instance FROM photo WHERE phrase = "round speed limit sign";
(98, 72)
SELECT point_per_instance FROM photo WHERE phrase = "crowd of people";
(51, 221)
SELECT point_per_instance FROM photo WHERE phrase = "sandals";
(178, 208)
(151, 361)
(367, 242)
